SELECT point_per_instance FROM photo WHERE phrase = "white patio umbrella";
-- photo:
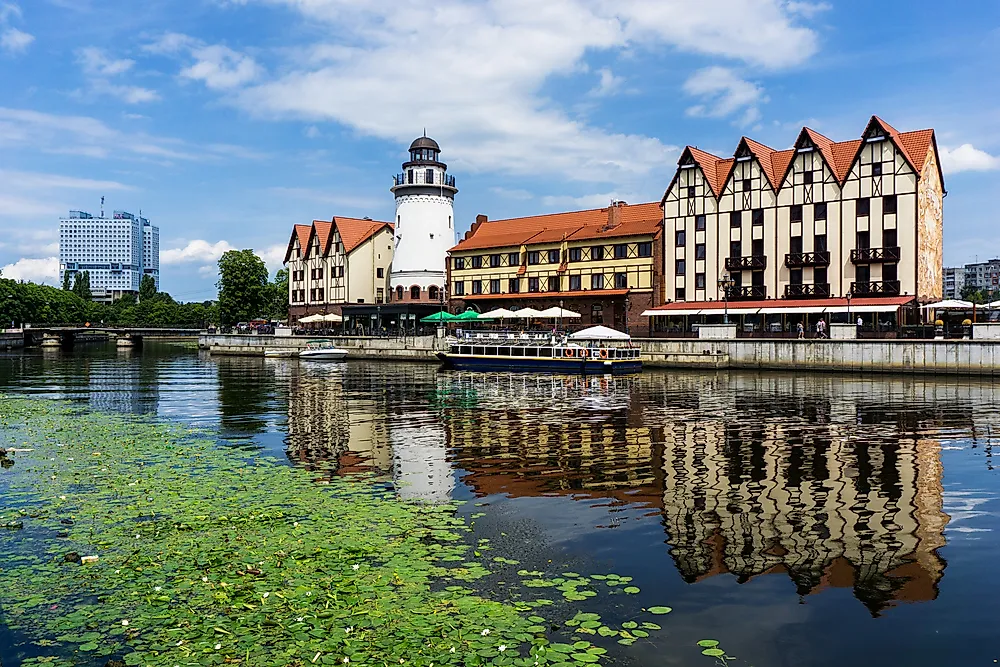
(993, 305)
(528, 313)
(311, 318)
(556, 311)
(949, 304)
(599, 333)
(498, 314)
(333, 317)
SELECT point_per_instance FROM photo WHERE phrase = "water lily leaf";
(714, 652)
(662, 610)
(585, 657)
(708, 643)
(631, 590)
(629, 625)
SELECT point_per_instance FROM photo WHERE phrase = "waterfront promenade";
(931, 357)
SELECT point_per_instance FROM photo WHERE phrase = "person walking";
(801, 330)
(821, 328)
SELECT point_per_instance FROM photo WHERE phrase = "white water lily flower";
(453, 650)
(62, 497)
(502, 648)
(349, 630)
(205, 579)
(485, 632)
(218, 646)
(157, 588)
(125, 624)
(346, 660)
(308, 593)
(300, 619)
(265, 595)
(180, 642)
(355, 567)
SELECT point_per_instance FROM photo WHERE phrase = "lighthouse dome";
(425, 142)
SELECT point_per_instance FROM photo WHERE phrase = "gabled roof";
(763, 154)
(302, 232)
(323, 231)
(634, 220)
(354, 231)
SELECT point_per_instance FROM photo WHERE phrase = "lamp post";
(559, 321)
(725, 282)
(849, 308)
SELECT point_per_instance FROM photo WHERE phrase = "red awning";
(517, 296)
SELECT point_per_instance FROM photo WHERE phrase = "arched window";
(432, 293)
(415, 292)
(399, 293)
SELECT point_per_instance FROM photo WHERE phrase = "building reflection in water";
(833, 482)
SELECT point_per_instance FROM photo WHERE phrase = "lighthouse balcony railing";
(419, 177)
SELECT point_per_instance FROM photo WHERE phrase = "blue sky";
(228, 121)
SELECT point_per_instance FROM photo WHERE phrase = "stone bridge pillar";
(57, 339)
(129, 340)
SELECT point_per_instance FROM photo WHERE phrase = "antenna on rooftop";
(102, 207)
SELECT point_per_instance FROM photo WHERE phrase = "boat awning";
(782, 306)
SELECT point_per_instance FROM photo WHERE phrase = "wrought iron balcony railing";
(749, 262)
(876, 288)
(737, 292)
(875, 255)
(807, 291)
(419, 178)
(795, 260)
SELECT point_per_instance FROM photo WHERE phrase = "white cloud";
(312, 132)
(273, 256)
(967, 158)
(333, 199)
(588, 201)
(196, 251)
(15, 41)
(512, 193)
(96, 63)
(724, 93)
(808, 9)
(99, 68)
(25, 180)
(220, 67)
(43, 270)
(171, 43)
(608, 84)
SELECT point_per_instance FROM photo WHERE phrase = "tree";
(278, 296)
(147, 288)
(67, 277)
(81, 286)
(243, 287)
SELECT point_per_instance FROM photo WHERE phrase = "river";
(807, 520)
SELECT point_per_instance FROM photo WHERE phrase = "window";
(597, 253)
(735, 249)
(477, 262)
(433, 293)
(459, 288)
(819, 211)
(699, 251)
(889, 238)
(415, 292)
(340, 271)
(807, 177)
(890, 272)
(459, 263)
(597, 281)
(679, 294)
(864, 241)
(621, 250)
(429, 176)
(819, 275)
(553, 285)
(494, 261)
(876, 169)
(699, 223)
(691, 191)
(699, 281)
(477, 286)
(574, 284)
(597, 314)
(680, 267)
(819, 243)
(409, 176)
(680, 238)
(757, 278)
(514, 285)
(864, 207)
(534, 257)
(380, 272)
(494, 286)
(736, 218)
(796, 213)
(621, 281)
(379, 295)
(514, 259)
(757, 217)
(863, 273)
(532, 284)
(553, 257)
(889, 204)
(575, 254)
(746, 185)
(757, 247)
(645, 249)
(795, 247)
(795, 276)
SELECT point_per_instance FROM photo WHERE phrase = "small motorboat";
(322, 350)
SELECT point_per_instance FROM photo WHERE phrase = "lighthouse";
(424, 225)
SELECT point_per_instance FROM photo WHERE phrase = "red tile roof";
(787, 303)
(302, 232)
(839, 155)
(323, 230)
(517, 296)
(634, 220)
(354, 232)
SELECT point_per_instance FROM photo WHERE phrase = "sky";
(228, 121)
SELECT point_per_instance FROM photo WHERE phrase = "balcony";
(874, 255)
(750, 262)
(737, 292)
(807, 291)
(876, 288)
(419, 178)
(794, 260)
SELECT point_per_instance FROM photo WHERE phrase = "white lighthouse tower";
(425, 228)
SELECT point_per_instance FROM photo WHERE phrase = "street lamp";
(849, 307)
(725, 282)
(559, 321)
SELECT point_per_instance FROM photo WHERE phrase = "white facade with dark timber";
(821, 219)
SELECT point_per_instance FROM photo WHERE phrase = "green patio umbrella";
(467, 316)
(442, 316)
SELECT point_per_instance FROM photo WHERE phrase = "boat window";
(466, 350)
(478, 350)
(504, 351)
(531, 351)
(545, 352)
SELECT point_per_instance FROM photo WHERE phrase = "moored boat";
(595, 350)
(322, 350)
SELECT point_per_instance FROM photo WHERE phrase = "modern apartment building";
(337, 263)
(820, 219)
(602, 263)
(954, 282)
(983, 275)
(116, 252)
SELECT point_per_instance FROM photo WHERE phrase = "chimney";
(480, 219)
(614, 215)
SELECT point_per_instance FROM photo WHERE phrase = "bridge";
(67, 335)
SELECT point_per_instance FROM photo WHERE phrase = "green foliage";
(81, 285)
(278, 296)
(243, 287)
(195, 565)
(66, 284)
(147, 288)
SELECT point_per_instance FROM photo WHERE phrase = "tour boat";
(322, 350)
(595, 350)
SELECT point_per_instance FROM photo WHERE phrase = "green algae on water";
(205, 557)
